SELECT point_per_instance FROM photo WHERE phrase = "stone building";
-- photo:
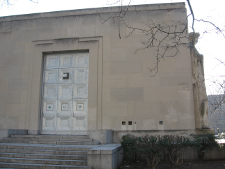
(100, 72)
(217, 113)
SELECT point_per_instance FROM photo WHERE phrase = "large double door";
(65, 93)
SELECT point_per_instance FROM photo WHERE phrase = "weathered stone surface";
(122, 93)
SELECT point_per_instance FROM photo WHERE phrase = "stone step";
(78, 142)
(45, 151)
(31, 151)
(49, 142)
(44, 156)
(50, 136)
(41, 166)
(47, 147)
(44, 161)
(28, 141)
(48, 139)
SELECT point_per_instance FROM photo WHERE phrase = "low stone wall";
(211, 154)
(7, 132)
(118, 134)
(109, 156)
(103, 136)
(190, 154)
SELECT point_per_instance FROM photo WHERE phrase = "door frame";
(57, 84)
(40, 48)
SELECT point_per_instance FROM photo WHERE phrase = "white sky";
(211, 45)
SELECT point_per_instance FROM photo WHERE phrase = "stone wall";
(122, 93)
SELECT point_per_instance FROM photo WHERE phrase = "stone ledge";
(91, 11)
(7, 132)
(108, 156)
(104, 136)
(106, 149)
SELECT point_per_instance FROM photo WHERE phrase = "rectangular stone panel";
(51, 76)
(126, 94)
(50, 92)
(81, 60)
(80, 75)
(52, 61)
(66, 72)
(66, 60)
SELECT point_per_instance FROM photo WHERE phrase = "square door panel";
(80, 91)
(80, 75)
(65, 92)
(52, 61)
(50, 92)
(65, 107)
(49, 107)
(65, 75)
(51, 76)
(63, 123)
(64, 114)
(48, 123)
(81, 60)
(66, 60)
(80, 106)
(80, 123)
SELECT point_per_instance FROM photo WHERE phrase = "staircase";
(45, 151)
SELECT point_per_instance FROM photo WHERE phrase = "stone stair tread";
(30, 151)
(51, 146)
(47, 145)
(43, 161)
(77, 142)
(46, 166)
(9, 168)
(51, 142)
(46, 151)
(28, 141)
(39, 159)
(49, 136)
(24, 155)
(47, 139)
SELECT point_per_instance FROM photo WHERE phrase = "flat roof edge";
(89, 11)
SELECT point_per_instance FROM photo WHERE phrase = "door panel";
(51, 76)
(50, 92)
(65, 76)
(65, 93)
(80, 75)
(49, 116)
(80, 90)
(66, 60)
(52, 61)
(80, 114)
(80, 60)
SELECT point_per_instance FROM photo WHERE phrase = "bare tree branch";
(9, 2)
(192, 14)
(217, 28)
(221, 62)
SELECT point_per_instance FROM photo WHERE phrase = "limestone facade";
(122, 92)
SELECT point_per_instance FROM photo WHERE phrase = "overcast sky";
(210, 44)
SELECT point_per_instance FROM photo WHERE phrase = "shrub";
(203, 142)
(148, 146)
(129, 144)
(174, 147)
(151, 148)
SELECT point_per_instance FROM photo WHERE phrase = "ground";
(186, 165)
